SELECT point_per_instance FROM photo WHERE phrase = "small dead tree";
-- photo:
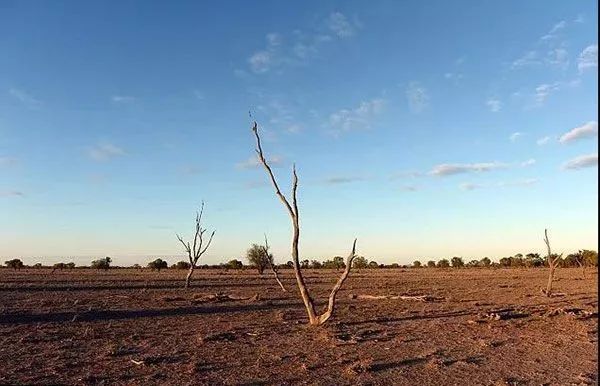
(553, 261)
(195, 250)
(271, 263)
(292, 208)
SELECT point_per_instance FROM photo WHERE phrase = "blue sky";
(426, 129)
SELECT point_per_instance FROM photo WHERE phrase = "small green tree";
(457, 262)
(181, 265)
(473, 263)
(417, 264)
(485, 262)
(102, 263)
(234, 264)
(257, 258)
(360, 262)
(443, 263)
(431, 264)
(157, 264)
(315, 264)
(14, 264)
(373, 264)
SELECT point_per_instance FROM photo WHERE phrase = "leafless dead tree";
(195, 250)
(292, 208)
(269, 258)
(553, 261)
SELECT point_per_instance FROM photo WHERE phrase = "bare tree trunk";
(292, 209)
(276, 274)
(552, 263)
(188, 278)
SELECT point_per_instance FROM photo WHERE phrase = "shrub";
(102, 263)
(181, 265)
(457, 262)
(373, 264)
(360, 262)
(417, 264)
(258, 258)
(444, 263)
(14, 264)
(473, 263)
(157, 264)
(316, 264)
(485, 262)
(234, 264)
(431, 264)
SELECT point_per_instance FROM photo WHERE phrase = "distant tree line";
(256, 260)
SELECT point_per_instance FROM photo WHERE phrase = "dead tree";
(195, 250)
(292, 208)
(580, 260)
(269, 259)
(553, 261)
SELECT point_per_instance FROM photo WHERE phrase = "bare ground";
(128, 327)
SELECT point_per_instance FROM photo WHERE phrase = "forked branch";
(197, 248)
(293, 211)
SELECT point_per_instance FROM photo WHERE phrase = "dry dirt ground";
(128, 327)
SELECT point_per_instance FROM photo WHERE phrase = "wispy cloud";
(253, 162)
(494, 105)
(359, 118)
(11, 193)
(515, 136)
(529, 162)
(581, 162)
(409, 188)
(339, 24)
(105, 152)
(588, 130)
(7, 161)
(25, 98)
(451, 169)
(555, 31)
(543, 141)
(406, 174)
(527, 182)
(588, 58)
(543, 91)
(122, 99)
(343, 180)
(300, 46)
(418, 99)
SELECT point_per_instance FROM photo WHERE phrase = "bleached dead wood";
(292, 209)
(417, 298)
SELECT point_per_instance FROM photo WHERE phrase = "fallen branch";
(418, 298)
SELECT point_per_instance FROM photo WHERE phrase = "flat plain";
(140, 327)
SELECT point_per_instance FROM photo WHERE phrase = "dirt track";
(484, 327)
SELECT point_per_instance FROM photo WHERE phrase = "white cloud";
(11, 193)
(558, 57)
(105, 152)
(528, 59)
(515, 136)
(359, 118)
(409, 188)
(583, 161)
(417, 96)
(510, 184)
(451, 169)
(7, 161)
(553, 34)
(342, 180)
(529, 162)
(543, 141)
(470, 186)
(588, 130)
(122, 99)
(588, 58)
(524, 182)
(25, 98)
(494, 105)
(253, 162)
(300, 46)
(543, 91)
(339, 24)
